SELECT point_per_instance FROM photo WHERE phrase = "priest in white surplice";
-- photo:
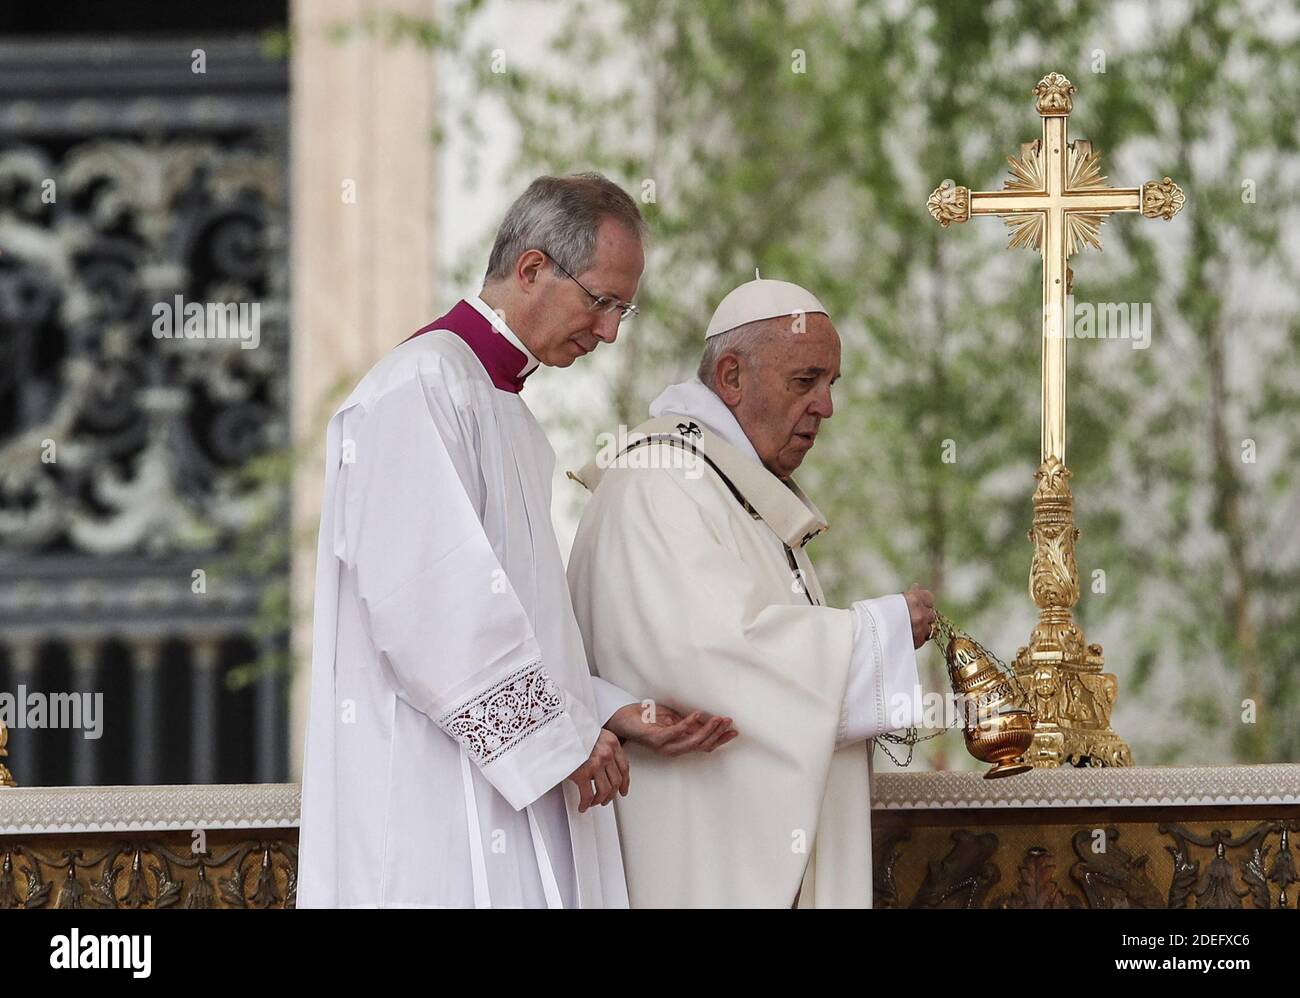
(692, 583)
(456, 741)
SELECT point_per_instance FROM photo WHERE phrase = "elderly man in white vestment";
(691, 581)
(456, 741)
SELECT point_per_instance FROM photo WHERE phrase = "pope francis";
(691, 582)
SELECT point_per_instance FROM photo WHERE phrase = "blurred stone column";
(268, 718)
(364, 179)
(85, 655)
(145, 721)
(205, 677)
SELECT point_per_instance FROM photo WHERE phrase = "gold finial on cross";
(1053, 92)
(1056, 202)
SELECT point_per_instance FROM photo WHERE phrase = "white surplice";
(450, 691)
(693, 585)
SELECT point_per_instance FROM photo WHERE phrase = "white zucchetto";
(761, 299)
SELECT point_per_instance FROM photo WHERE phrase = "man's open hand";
(666, 732)
(606, 768)
(920, 604)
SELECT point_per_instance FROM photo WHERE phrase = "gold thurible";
(997, 724)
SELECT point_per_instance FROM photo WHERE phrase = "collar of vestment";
(699, 402)
(781, 505)
(503, 355)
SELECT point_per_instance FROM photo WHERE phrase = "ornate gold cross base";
(1070, 694)
(6, 777)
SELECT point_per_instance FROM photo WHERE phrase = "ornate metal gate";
(143, 413)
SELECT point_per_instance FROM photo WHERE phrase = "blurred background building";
(143, 155)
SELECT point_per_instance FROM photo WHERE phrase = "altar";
(1146, 837)
(210, 846)
(1160, 837)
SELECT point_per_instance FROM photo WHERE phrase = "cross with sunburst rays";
(1056, 203)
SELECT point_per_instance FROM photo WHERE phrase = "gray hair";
(744, 341)
(560, 215)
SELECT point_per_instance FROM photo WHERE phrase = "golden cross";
(1056, 203)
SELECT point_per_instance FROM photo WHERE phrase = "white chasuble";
(450, 693)
(692, 585)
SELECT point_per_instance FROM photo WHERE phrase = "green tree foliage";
(803, 139)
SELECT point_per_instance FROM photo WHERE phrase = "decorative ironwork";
(143, 293)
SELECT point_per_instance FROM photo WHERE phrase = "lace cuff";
(493, 721)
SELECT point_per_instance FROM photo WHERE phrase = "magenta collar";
(500, 358)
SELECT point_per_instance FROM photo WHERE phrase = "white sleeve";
(453, 639)
(609, 698)
(884, 688)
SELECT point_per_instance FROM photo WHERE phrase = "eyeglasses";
(603, 304)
